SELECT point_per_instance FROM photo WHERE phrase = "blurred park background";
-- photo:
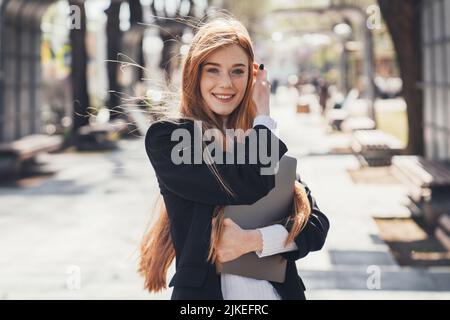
(360, 91)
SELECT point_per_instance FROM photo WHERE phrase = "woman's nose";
(226, 81)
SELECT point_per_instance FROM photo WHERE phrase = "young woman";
(224, 88)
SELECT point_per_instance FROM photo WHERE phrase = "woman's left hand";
(261, 91)
(234, 241)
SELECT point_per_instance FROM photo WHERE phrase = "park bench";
(442, 232)
(16, 154)
(375, 147)
(429, 186)
(99, 136)
(351, 107)
(104, 136)
(357, 123)
(336, 117)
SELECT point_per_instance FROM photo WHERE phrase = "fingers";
(228, 222)
(224, 256)
(258, 74)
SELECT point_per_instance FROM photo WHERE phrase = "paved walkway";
(83, 226)
(355, 263)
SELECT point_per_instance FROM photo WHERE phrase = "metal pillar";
(3, 4)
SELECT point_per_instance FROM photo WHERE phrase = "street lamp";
(343, 32)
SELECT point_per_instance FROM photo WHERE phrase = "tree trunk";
(79, 72)
(114, 39)
(403, 21)
(136, 18)
(167, 54)
(170, 32)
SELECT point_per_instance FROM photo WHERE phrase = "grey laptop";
(275, 206)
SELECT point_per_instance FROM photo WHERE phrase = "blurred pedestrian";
(323, 94)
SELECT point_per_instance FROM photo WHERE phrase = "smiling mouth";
(224, 97)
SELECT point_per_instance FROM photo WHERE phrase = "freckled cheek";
(241, 85)
(207, 84)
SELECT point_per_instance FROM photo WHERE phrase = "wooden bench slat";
(28, 146)
(429, 183)
(408, 175)
(375, 146)
(430, 173)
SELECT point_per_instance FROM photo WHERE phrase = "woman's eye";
(238, 71)
(213, 70)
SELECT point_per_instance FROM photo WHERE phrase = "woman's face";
(224, 78)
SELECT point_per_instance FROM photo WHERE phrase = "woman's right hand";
(261, 91)
(235, 241)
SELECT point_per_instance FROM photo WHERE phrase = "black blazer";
(190, 193)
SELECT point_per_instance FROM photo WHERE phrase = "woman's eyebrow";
(218, 64)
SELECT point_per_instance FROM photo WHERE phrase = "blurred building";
(436, 73)
(35, 89)
(20, 64)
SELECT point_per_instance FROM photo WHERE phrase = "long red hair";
(157, 252)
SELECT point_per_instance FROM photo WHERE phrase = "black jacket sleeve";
(196, 182)
(312, 237)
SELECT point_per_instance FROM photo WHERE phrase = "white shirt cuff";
(273, 241)
(267, 121)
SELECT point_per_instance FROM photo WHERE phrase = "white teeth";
(224, 97)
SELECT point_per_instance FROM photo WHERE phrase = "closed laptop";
(276, 205)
